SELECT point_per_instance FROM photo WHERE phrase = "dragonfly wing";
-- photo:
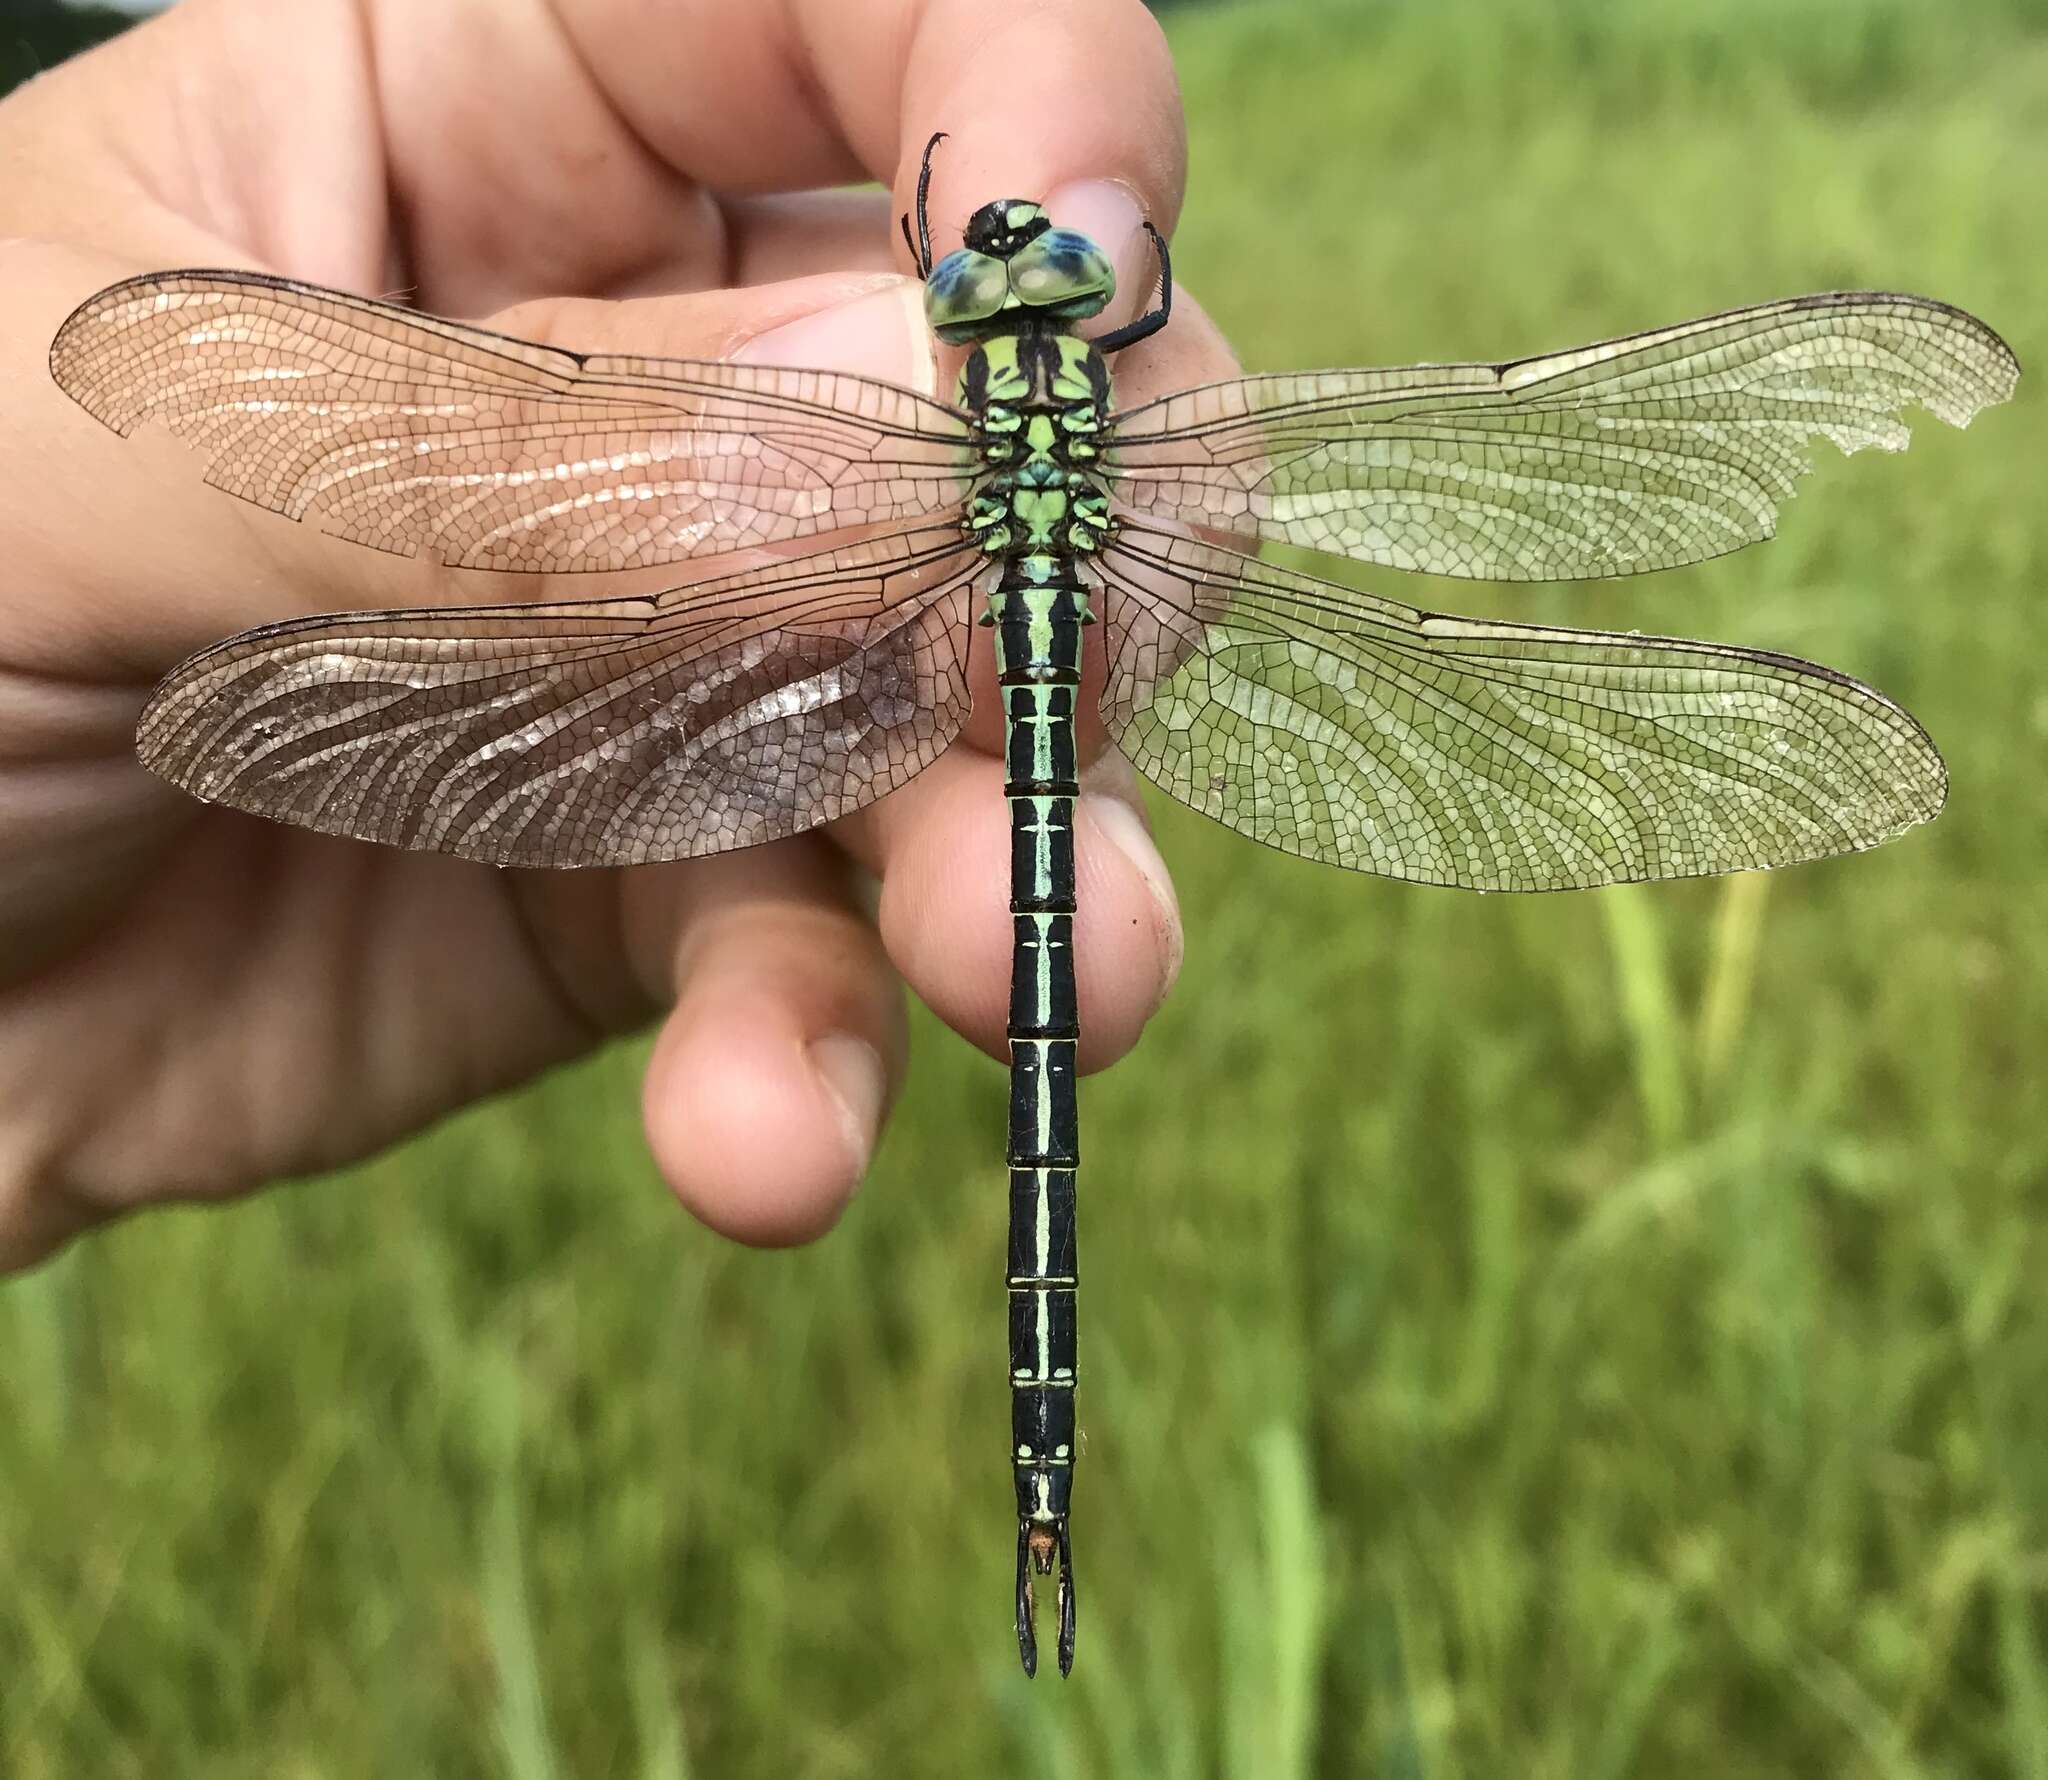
(1341, 727)
(1640, 453)
(411, 434)
(733, 710)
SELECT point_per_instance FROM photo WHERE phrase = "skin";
(194, 1003)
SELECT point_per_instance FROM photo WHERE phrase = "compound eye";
(965, 287)
(1065, 272)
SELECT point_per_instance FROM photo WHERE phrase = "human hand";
(193, 1002)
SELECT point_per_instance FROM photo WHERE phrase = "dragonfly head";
(1001, 228)
(1016, 270)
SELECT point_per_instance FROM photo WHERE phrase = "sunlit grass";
(1580, 1336)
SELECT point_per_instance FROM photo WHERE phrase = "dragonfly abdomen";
(1039, 607)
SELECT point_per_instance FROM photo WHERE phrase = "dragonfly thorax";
(1016, 272)
(1040, 400)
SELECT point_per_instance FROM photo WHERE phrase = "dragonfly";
(858, 533)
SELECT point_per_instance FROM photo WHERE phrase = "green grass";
(1571, 1337)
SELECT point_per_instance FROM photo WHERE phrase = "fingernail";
(1123, 826)
(851, 1070)
(1109, 214)
(879, 335)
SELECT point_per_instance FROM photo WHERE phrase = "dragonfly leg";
(1152, 320)
(921, 248)
(1042, 1546)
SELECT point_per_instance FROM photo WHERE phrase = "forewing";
(731, 711)
(414, 434)
(1446, 750)
(1640, 453)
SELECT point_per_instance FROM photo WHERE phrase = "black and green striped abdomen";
(1039, 613)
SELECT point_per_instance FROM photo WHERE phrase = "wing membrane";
(410, 433)
(1341, 727)
(1640, 453)
(730, 711)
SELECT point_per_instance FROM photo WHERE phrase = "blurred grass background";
(1582, 1336)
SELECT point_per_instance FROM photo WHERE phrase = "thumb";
(871, 323)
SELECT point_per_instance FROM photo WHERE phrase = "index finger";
(758, 97)
(1038, 100)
